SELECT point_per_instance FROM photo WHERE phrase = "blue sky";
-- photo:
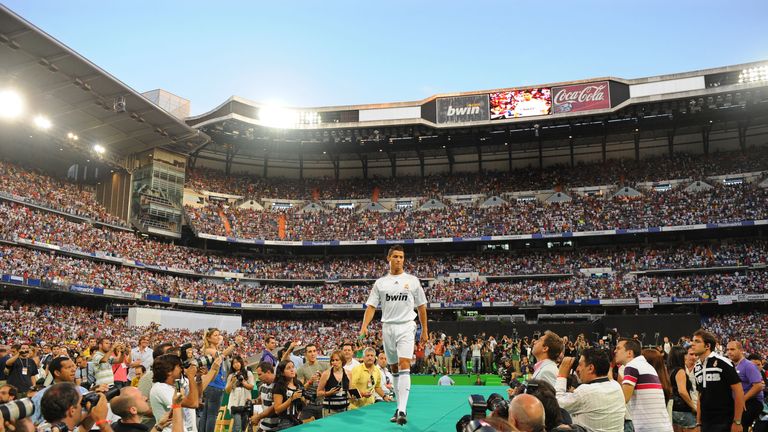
(327, 53)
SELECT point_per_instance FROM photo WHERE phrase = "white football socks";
(403, 389)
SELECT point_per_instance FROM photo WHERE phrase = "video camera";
(245, 409)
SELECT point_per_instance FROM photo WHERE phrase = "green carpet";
(430, 408)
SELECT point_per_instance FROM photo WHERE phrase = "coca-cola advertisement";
(581, 97)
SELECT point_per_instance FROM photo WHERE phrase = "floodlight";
(99, 149)
(278, 117)
(42, 122)
(755, 74)
(11, 104)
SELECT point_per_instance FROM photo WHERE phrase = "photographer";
(102, 362)
(598, 403)
(309, 375)
(8, 393)
(287, 395)
(85, 375)
(131, 405)
(63, 371)
(213, 391)
(239, 385)
(62, 407)
(167, 380)
(22, 367)
(120, 360)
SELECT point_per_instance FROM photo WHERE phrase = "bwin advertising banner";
(462, 109)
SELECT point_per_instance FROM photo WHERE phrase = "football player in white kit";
(398, 293)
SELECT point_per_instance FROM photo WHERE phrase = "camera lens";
(18, 409)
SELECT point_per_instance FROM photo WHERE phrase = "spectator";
(547, 349)
(642, 389)
(526, 413)
(141, 355)
(683, 405)
(334, 386)
(751, 383)
(366, 379)
(721, 396)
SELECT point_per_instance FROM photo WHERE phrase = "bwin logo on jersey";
(397, 297)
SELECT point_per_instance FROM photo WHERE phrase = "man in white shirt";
(445, 380)
(398, 293)
(387, 380)
(167, 371)
(547, 350)
(642, 389)
(140, 356)
(598, 403)
(349, 357)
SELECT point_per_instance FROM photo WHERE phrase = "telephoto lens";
(17, 409)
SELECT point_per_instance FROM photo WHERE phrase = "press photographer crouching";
(239, 385)
(131, 405)
(65, 409)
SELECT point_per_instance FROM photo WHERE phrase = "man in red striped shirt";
(642, 389)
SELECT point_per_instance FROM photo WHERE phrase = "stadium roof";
(81, 98)
(248, 133)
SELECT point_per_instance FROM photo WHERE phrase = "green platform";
(460, 380)
(430, 408)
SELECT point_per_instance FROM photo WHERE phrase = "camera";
(93, 397)
(17, 409)
(498, 406)
(203, 361)
(475, 422)
(245, 409)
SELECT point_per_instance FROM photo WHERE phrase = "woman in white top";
(240, 382)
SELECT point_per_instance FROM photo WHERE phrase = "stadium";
(595, 209)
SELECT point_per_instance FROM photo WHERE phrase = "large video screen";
(521, 103)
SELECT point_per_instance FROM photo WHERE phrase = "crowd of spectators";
(18, 221)
(75, 326)
(37, 188)
(65, 271)
(622, 172)
(721, 204)
(750, 328)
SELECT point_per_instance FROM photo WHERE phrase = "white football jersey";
(398, 296)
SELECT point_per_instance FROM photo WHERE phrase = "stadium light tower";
(11, 104)
(42, 122)
(278, 117)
